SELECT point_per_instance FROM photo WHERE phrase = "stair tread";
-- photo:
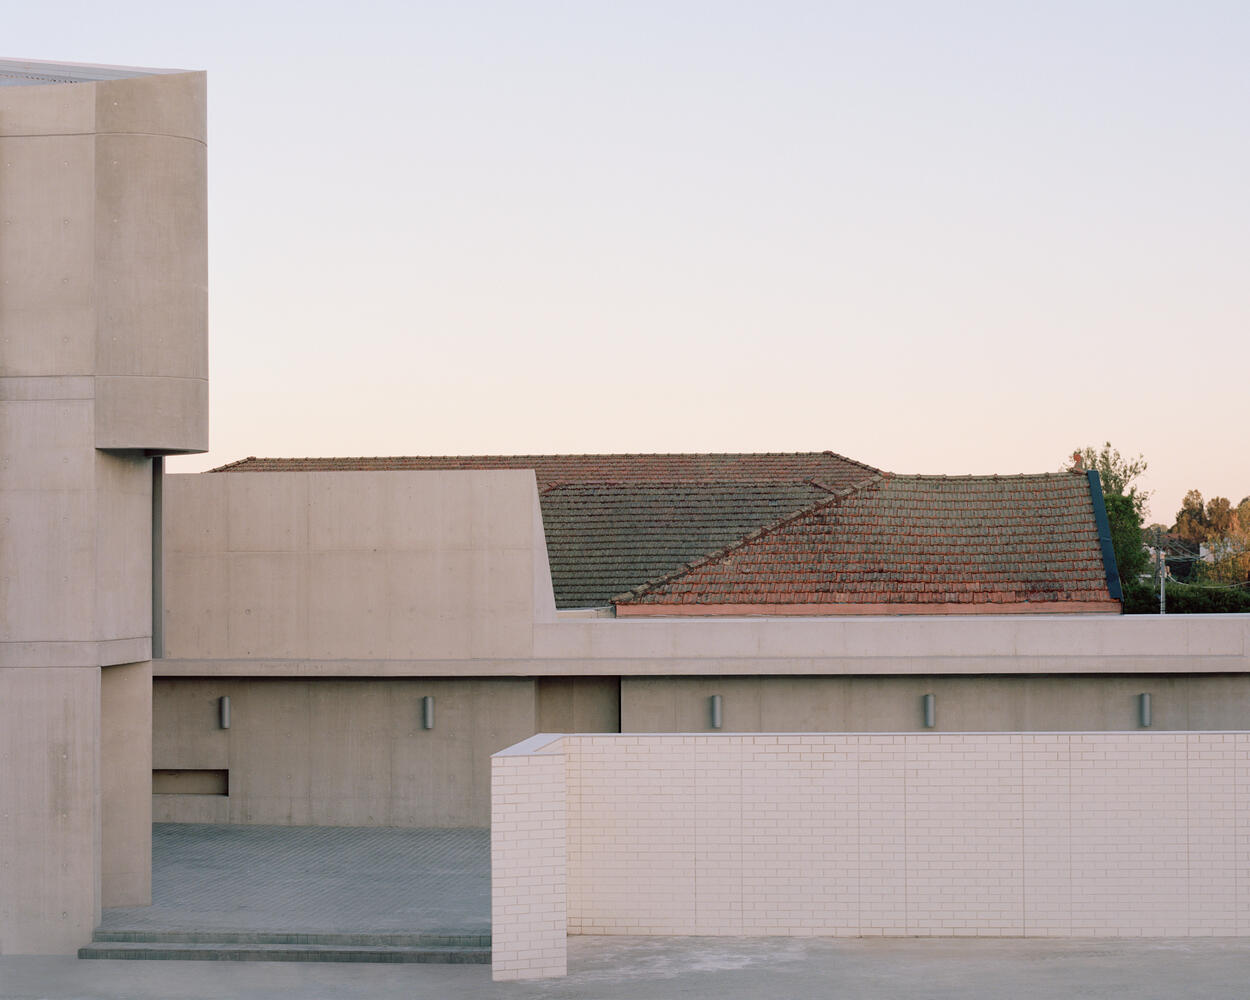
(280, 946)
(253, 951)
(381, 939)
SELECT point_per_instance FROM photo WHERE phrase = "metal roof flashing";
(39, 72)
(1104, 535)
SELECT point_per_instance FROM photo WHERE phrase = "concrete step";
(228, 946)
(389, 939)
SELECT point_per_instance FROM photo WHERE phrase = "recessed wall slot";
(189, 781)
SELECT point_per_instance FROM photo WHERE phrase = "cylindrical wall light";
(427, 712)
(1143, 710)
(717, 708)
(223, 711)
(930, 711)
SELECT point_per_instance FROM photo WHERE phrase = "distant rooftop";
(32, 72)
(805, 533)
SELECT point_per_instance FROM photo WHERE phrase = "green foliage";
(1125, 524)
(1184, 599)
(1224, 530)
(1191, 519)
(1230, 556)
(1220, 517)
(1118, 475)
(1126, 506)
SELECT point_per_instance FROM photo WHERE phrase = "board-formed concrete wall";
(997, 703)
(354, 565)
(103, 363)
(333, 752)
(976, 834)
(281, 587)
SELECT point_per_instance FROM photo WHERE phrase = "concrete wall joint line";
(93, 134)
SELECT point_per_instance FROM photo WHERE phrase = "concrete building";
(348, 643)
(327, 599)
(103, 369)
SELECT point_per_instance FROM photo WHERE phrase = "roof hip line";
(837, 497)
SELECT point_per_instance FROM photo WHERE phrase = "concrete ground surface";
(608, 968)
(314, 879)
(256, 878)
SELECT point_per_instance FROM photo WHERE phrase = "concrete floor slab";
(259, 879)
(608, 968)
(313, 879)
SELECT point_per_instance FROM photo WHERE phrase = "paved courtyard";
(623, 968)
(314, 879)
(335, 880)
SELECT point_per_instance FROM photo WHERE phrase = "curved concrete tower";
(103, 369)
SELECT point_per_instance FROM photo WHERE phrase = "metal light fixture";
(930, 711)
(427, 712)
(716, 705)
(1143, 710)
(223, 711)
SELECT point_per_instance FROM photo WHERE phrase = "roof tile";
(911, 539)
(779, 529)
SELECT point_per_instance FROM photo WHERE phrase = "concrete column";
(49, 816)
(103, 363)
(126, 784)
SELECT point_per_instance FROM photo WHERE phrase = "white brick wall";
(974, 834)
(528, 861)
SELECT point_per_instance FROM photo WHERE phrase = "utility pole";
(1163, 572)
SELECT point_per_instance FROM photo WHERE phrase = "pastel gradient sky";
(937, 237)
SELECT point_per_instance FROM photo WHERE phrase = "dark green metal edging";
(1104, 535)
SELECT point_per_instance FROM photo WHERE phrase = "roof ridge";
(231, 465)
(843, 458)
(837, 497)
(679, 481)
(659, 468)
(986, 475)
(572, 454)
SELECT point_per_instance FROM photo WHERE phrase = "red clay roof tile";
(789, 531)
(910, 540)
(829, 470)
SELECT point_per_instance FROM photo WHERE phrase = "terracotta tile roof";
(827, 468)
(809, 532)
(933, 543)
(599, 537)
(615, 521)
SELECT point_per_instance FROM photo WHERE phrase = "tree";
(1125, 523)
(1228, 541)
(1231, 560)
(1191, 519)
(1119, 475)
(1126, 504)
(1219, 517)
